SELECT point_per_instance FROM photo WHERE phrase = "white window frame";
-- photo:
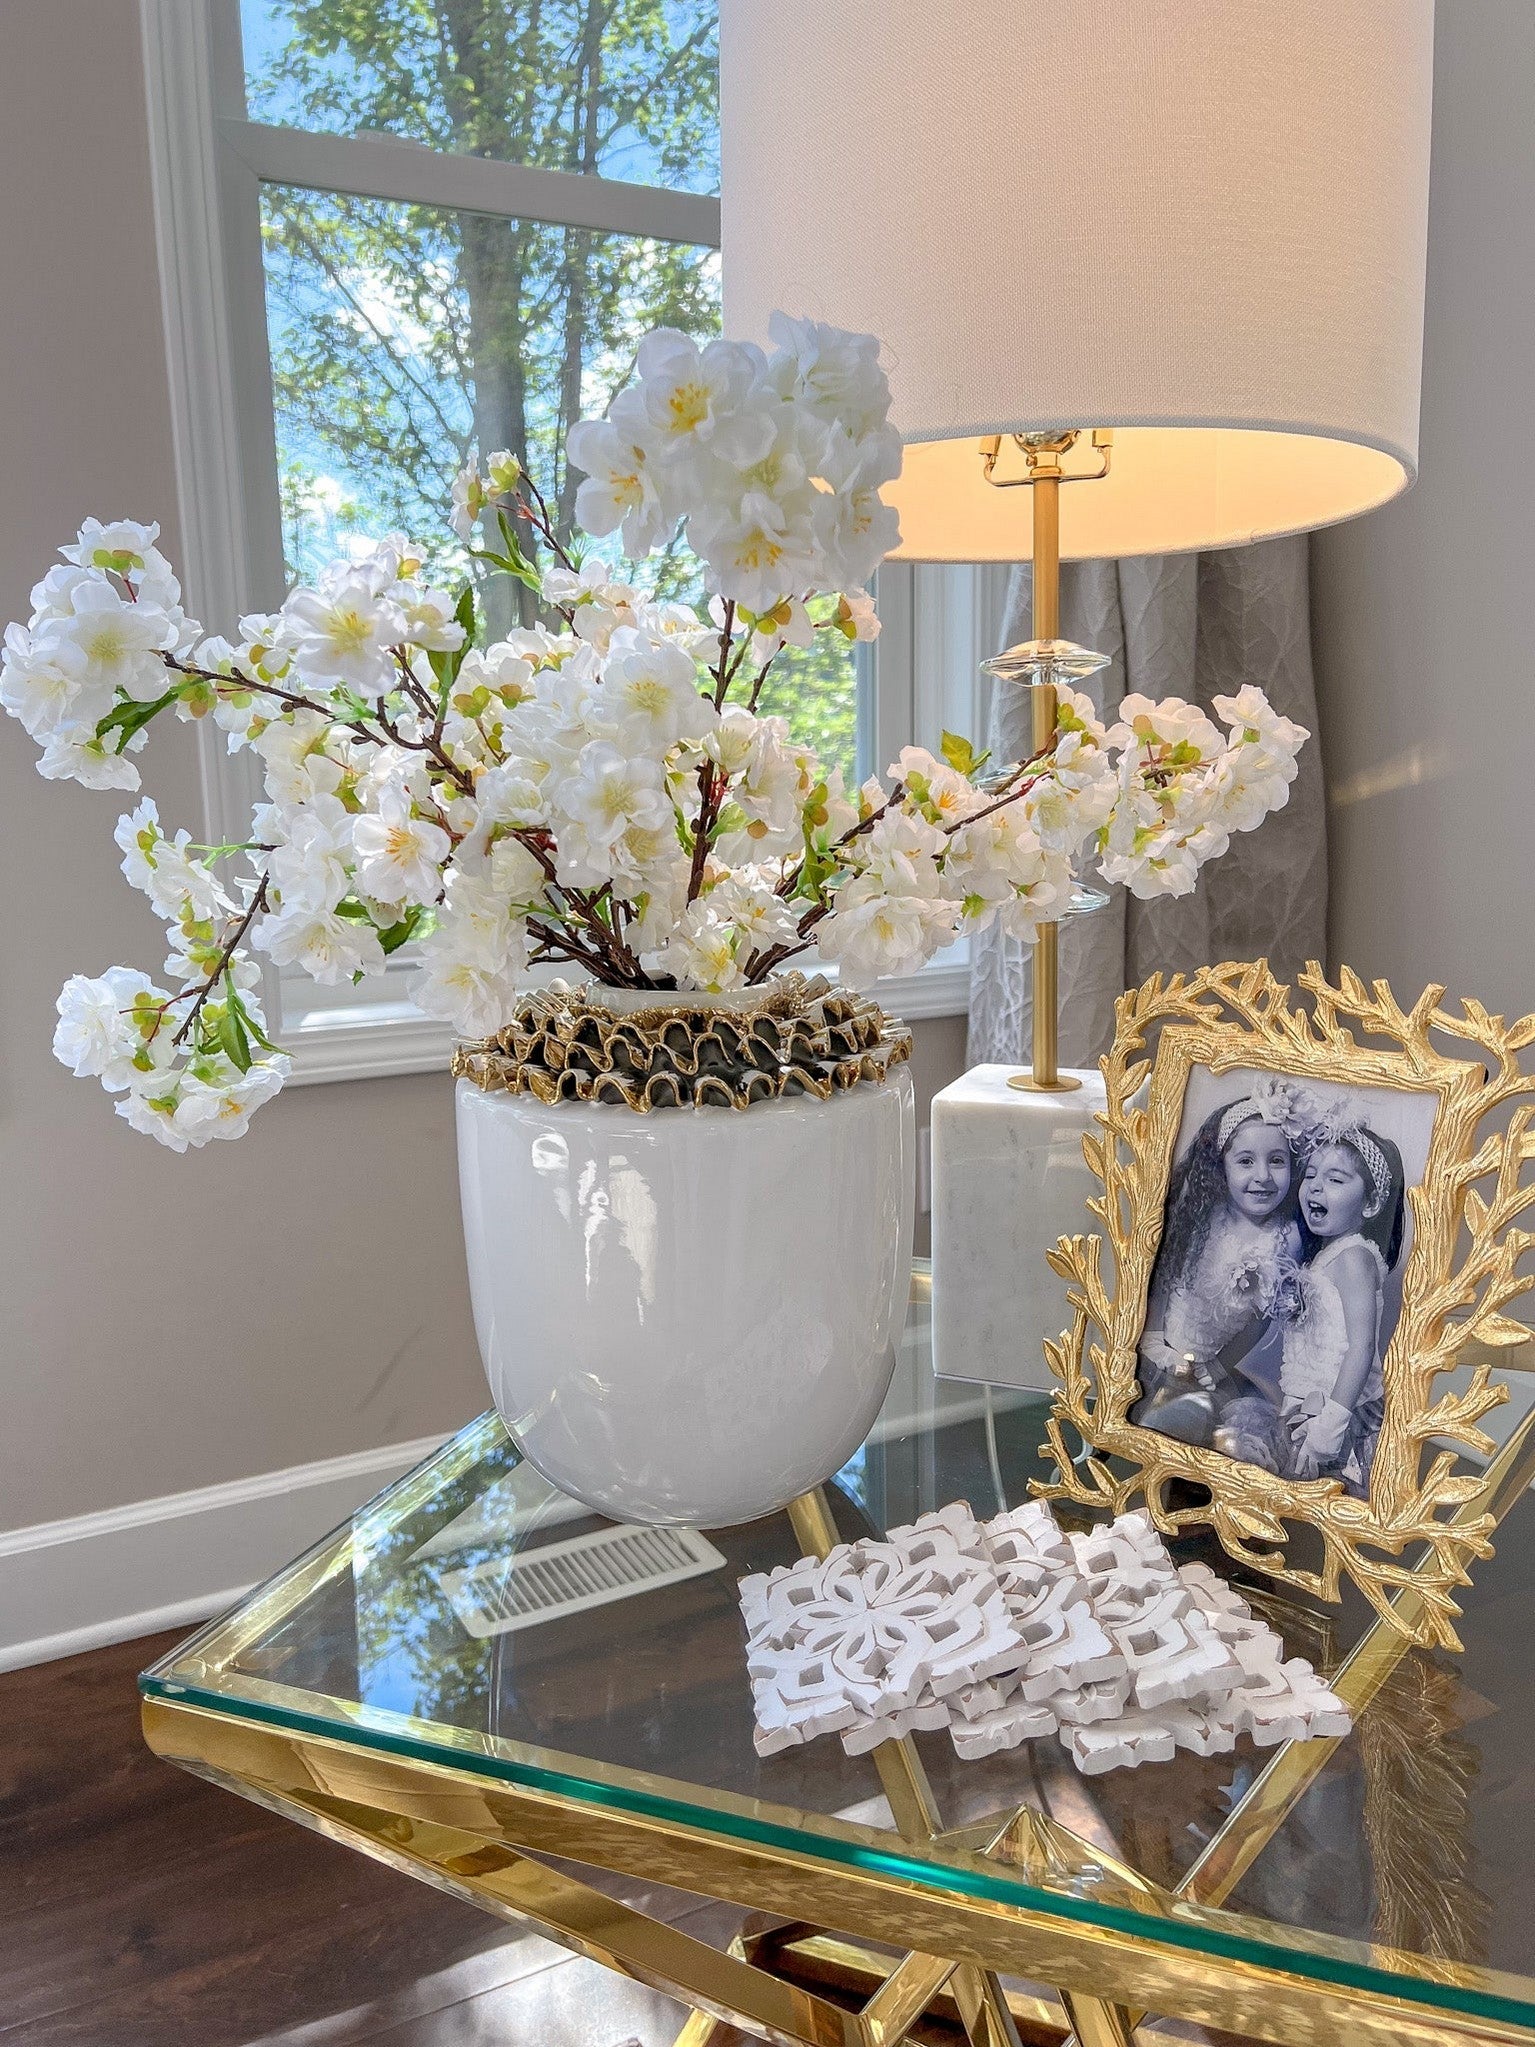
(208, 162)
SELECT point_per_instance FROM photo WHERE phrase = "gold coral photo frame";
(1468, 1258)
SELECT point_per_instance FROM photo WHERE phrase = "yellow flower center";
(349, 630)
(759, 551)
(688, 406)
(106, 644)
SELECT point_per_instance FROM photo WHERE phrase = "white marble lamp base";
(1008, 1179)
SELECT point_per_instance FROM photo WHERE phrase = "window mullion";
(379, 167)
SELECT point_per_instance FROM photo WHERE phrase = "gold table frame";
(480, 1837)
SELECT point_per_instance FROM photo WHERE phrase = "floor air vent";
(541, 1584)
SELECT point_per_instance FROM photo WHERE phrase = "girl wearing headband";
(1352, 1197)
(1230, 1242)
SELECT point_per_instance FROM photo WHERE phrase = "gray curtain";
(1195, 626)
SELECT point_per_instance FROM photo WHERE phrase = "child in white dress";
(1230, 1243)
(1351, 1208)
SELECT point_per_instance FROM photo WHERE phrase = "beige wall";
(1423, 613)
(142, 1354)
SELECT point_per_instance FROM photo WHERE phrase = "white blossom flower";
(515, 874)
(91, 762)
(108, 643)
(310, 865)
(703, 396)
(871, 932)
(649, 699)
(501, 669)
(206, 1110)
(186, 1110)
(901, 850)
(856, 617)
(177, 885)
(468, 499)
(123, 545)
(617, 489)
(1000, 868)
(756, 555)
(429, 619)
(1152, 864)
(705, 950)
(503, 472)
(771, 788)
(835, 373)
(97, 1035)
(154, 1115)
(855, 530)
(1173, 728)
(475, 999)
(295, 754)
(343, 633)
(607, 793)
(330, 949)
(45, 693)
(941, 794)
(751, 902)
(509, 795)
(473, 959)
(399, 855)
(477, 922)
(1254, 775)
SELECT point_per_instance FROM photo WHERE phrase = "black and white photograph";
(1278, 1280)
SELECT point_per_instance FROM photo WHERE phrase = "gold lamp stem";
(1043, 476)
(1046, 1069)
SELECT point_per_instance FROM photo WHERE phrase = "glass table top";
(1406, 1866)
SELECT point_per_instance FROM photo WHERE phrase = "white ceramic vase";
(689, 1316)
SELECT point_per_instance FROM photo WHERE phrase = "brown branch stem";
(257, 902)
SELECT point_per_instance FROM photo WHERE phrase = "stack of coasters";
(872, 1642)
(1009, 1630)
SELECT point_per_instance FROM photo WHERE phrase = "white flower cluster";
(94, 652)
(774, 462)
(1184, 786)
(598, 789)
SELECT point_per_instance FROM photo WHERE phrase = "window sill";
(377, 1040)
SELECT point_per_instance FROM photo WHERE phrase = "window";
(397, 230)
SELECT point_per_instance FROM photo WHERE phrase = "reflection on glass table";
(471, 1617)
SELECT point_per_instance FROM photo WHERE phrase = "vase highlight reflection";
(687, 1309)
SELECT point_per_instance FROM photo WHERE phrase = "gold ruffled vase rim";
(646, 1049)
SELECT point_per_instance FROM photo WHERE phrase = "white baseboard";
(67, 1586)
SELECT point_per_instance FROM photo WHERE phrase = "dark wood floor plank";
(141, 1907)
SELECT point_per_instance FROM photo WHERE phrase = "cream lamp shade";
(1201, 225)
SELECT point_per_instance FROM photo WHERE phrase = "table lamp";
(1159, 267)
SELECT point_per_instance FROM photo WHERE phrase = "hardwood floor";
(142, 1908)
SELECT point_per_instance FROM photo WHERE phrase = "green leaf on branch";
(254, 1030)
(961, 755)
(231, 1030)
(128, 717)
(445, 666)
(815, 871)
(407, 928)
(517, 563)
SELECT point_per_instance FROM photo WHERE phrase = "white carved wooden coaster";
(1011, 1630)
